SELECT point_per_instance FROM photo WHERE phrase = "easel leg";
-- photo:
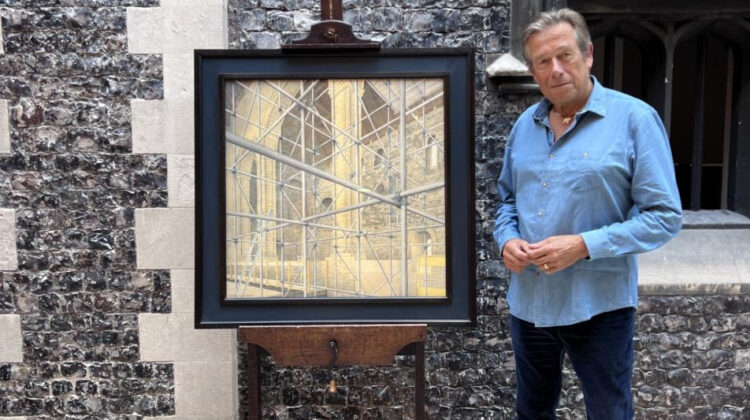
(255, 409)
(419, 380)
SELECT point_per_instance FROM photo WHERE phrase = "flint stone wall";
(74, 184)
(692, 349)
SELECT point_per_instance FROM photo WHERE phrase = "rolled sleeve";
(502, 240)
(658, 215)
(597, 243)
(506, 218)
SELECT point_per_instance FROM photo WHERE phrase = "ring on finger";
(546, 266)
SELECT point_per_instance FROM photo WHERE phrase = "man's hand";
(516, 255)
(557, 252)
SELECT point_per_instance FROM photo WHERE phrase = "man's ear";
(590, 56)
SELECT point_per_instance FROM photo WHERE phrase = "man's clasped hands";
(549, 255)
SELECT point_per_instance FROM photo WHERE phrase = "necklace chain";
(566, 120)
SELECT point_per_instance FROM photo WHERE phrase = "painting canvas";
(335, 188)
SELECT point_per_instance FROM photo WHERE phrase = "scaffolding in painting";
(335, 188)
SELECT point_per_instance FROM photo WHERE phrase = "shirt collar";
(595, 104)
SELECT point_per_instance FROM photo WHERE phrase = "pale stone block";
(11, 340)
(699, 256)
(172, 337)
(165, 238)
(205, 389)
(2, 41)
(8, 254)
(145, 30)
(178, 75)
(194, 24)
(4, 125)
(177, 27)
(183, 291)
(181, 180)
(163, 126)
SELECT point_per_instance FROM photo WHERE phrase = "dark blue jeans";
(601, 351)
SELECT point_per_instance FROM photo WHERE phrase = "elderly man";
(588, 182)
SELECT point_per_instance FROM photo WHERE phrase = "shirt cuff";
(597, 244)
(505, 237)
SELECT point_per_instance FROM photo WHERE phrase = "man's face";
(558, 65)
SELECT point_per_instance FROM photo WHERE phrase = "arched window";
(420, 244)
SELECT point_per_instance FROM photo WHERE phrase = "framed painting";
(334, 187)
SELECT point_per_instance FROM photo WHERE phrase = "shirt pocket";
(584, 172)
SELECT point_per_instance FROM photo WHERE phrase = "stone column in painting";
(345, 165)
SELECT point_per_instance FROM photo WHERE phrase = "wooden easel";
(334, 345)
(331, 33)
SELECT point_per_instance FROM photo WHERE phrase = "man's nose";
(556, 66)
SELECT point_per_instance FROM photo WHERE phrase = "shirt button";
(540, 213)
(551, 155)
(585, 154)
(544, 184)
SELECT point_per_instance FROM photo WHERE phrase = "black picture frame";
(214, 67)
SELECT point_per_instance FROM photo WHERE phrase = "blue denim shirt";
(609, 178)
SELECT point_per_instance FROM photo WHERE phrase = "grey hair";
(553, 17)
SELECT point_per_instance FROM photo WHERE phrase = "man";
(587, 183)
